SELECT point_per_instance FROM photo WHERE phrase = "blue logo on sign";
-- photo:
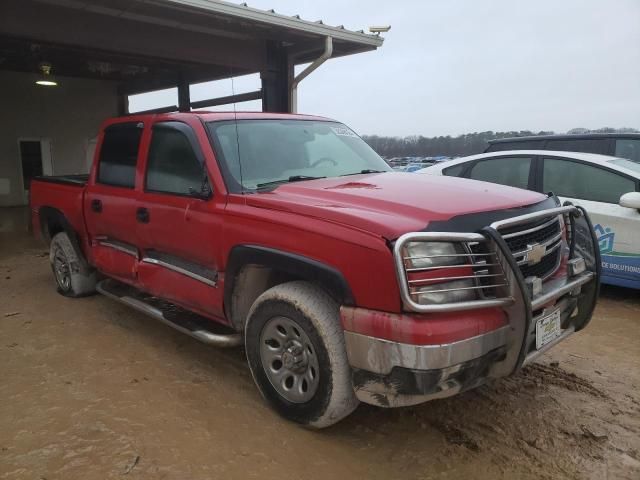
(605, 238)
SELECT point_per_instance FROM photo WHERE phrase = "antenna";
(235, 119)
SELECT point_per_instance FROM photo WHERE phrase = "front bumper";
(405, 386)
(392, 373)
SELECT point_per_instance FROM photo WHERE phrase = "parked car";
(607, 187)
(622, 145)
(345, 281)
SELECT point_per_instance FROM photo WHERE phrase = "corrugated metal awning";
(145, 43)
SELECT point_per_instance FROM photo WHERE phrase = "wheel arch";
(54, 221)
(253, 269)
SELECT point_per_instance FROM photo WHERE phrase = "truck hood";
(393, 203)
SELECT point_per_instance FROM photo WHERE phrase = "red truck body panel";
(65, 198)
(429, 329)
(391, 204)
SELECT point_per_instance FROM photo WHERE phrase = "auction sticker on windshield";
(343, 131)
(547, 329)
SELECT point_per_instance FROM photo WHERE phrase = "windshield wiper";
(293, 178)
(366, 170)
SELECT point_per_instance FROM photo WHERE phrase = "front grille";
(546, 232)
(546, 267)
(520, 239)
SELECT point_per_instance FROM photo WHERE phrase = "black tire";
(73, 277)
(316, 314)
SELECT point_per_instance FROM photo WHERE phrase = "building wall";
(69, 115)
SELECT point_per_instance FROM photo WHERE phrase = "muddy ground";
(90, 389)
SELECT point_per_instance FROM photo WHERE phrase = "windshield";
(256, 154)
(626, 164)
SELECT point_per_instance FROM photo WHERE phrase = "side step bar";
(194, 325)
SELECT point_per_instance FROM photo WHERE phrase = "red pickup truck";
(344, 280)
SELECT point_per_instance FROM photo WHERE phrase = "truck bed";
(61, 196)
(78, 179)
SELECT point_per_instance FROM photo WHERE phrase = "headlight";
(432, 254)
(426, 265)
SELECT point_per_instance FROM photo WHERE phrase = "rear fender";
(53, 221)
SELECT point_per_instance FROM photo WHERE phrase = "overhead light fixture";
(380, 29)
(46, 80)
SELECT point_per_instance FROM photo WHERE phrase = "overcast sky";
(455, 66)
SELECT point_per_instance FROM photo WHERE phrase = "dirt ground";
(90, 389)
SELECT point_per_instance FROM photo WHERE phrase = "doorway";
(35, 160)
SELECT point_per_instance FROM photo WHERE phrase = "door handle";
(142, 215)
(96, 205)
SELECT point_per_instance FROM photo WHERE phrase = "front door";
(598, 191)
(179, 222)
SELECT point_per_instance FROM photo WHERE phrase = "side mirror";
(630, 200)
(204, 192)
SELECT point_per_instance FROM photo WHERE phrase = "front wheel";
(295, 348)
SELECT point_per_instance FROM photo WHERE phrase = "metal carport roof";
(152, 44)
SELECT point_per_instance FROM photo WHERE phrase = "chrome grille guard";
(494, 279)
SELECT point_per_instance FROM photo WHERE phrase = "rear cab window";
(119, 154)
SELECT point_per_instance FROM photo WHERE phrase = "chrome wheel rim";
(289, 359)
(62, 270)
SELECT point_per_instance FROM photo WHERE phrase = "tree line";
(462, 145)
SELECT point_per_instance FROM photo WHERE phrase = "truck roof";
(209, 116)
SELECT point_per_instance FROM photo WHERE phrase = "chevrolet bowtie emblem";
(534, 253)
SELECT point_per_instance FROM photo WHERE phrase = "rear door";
(110, 201)
(180, 220)
(598, 190)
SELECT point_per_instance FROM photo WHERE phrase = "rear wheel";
(72, 277)
(295, 348)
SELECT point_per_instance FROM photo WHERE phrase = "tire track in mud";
(526, 422)
(541, 374)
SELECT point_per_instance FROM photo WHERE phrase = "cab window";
(119, 155)
(173, 166)
(511, 171)
(586, 182)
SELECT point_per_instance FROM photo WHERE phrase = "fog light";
(576, 266)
